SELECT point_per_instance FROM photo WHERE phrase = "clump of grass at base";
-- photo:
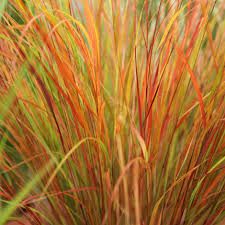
(112, 112)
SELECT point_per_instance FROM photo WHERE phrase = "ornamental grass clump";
(112, 112)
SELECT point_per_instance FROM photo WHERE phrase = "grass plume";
(112, 112)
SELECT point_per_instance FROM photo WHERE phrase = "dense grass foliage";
(112, 112)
